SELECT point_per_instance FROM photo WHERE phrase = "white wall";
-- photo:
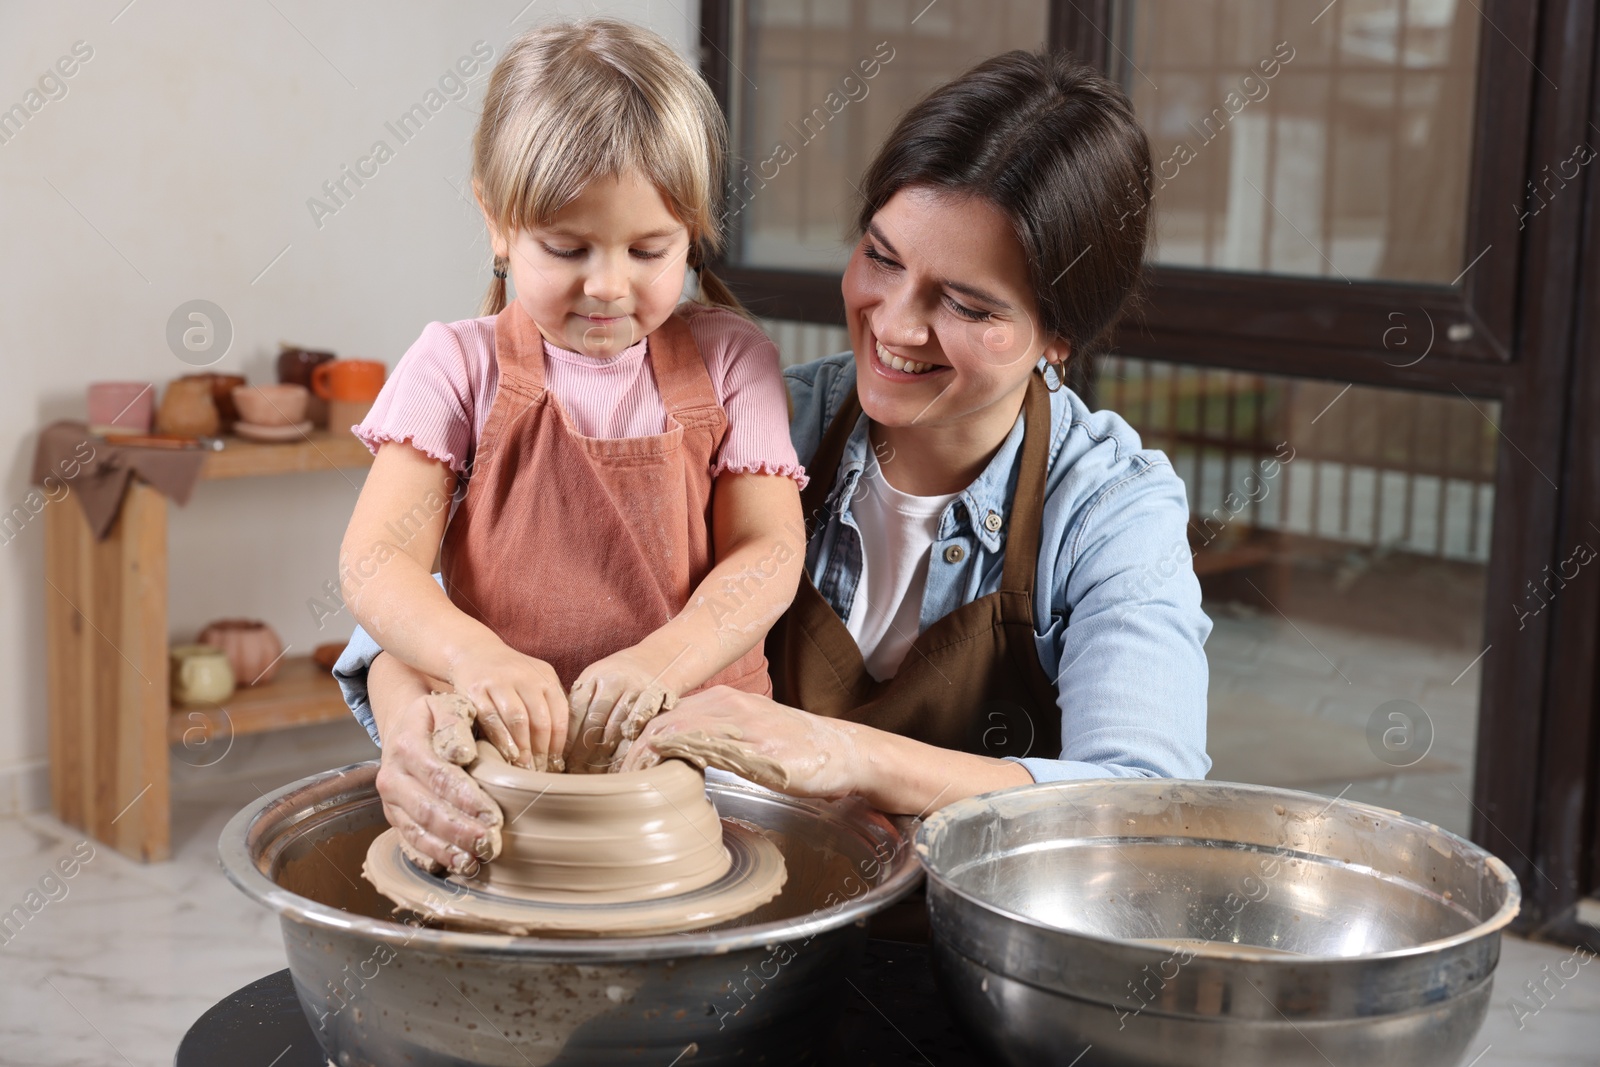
(177, 166)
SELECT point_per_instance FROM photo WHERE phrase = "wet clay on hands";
(727, 752)
(622, 726)
(453, 742)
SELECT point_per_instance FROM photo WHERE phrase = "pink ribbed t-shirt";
(438, 398)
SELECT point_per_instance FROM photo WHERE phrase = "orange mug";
(358, 380)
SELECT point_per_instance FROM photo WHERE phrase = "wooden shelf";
(300, 694)
(320, 450)
(111, 721)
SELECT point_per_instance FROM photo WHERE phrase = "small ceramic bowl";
(271, 405)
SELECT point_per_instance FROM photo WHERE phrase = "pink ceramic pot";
(253, 649)
(121, 407)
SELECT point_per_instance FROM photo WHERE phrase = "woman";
(997, 575)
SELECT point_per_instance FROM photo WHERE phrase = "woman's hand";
(444, 817)
(522, 709)
(808, 755)
(612, 700)
(753, 736)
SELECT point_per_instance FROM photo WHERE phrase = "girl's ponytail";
(494, 301)
(714, 291)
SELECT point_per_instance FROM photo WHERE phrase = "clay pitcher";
(187, 408)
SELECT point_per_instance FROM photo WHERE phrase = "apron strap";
(679, 368)
(519, 352)
(680, 372)
(829, 452)
(1027, 505)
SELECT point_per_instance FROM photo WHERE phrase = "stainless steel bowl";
(381, 992)
(1190, 924)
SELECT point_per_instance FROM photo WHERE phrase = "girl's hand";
(612, 700)
(779, 747)
(445, 819)
(522, 709)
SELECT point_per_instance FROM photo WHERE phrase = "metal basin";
(1190, 924)
(381, 992)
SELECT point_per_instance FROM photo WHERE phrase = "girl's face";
(941, 313)
(606, 271)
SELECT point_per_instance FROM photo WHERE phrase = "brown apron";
(971, 681)
(571, 548)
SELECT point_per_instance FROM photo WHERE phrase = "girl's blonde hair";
(572, 102)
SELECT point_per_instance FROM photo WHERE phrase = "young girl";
(628, 527)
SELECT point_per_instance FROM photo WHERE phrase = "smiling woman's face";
(941, 314)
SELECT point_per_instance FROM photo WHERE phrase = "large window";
(1333, 143)
(1374, 226)
(821, 82)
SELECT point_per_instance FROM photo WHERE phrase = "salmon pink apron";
(571, 548)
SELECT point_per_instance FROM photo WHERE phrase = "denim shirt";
(1117, 619)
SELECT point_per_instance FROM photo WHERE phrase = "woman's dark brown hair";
(1054, 145)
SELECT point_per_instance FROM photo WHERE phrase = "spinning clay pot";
(596, 838)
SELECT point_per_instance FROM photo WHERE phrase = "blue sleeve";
(351, 674)
(816, 392)
(1126, 637)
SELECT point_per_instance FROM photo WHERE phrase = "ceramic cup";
(201, 674)
(187, 408)
(252, 648)
(121, 407)
(294, 368)
(353, 380)
(343, 414)
(222, 387)
(271, 405)
(296, 364)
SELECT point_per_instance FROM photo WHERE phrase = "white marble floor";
(123, 957)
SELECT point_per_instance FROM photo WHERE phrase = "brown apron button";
(991, 522)
(954, 554)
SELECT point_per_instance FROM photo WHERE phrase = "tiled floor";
(1343, 678)
(125, 957)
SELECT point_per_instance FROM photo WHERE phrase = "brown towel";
(95, 472)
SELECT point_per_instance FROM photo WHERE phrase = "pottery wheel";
(640, 852)
(755, 876)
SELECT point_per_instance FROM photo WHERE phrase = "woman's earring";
(1061, 376)
(500, 268)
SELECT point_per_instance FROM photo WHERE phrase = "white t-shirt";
(897, 533)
